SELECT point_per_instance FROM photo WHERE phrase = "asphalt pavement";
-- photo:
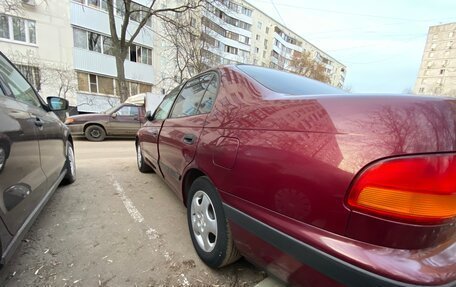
(115, 227)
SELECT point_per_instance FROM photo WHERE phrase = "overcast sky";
(380, 42)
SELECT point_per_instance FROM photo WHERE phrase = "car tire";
(70, 165)
(95, 133)
(142, 166)
(208, 226)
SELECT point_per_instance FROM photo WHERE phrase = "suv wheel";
(209, 229)
(95, 133)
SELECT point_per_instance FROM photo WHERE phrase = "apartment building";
(38, 39)
(64, 47)
(437, 74)
(244, 34)
(93, 61)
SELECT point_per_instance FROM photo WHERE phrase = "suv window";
(128, 111)
(20, 89)
(163, 109)
(188, 101)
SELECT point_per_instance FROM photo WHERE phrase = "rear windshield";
(287, 83)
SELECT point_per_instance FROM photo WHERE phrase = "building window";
(32, 74)
(257, 37)
(257, 50)
(421, 90)
(4, 27)
(17, 29)
(231, 50)
(94, 42)
(267, 30)
(94, 3)
(134, 88)
(103, 44)
(83, 82)
(93, 83)
(105, 85)
(442, 71)
(259, 25)
(107, 46)
(80, 38)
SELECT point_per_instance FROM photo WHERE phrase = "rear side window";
(209, 97)
(287, 83)
(188, 101)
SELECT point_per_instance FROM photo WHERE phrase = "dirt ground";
(115, 227)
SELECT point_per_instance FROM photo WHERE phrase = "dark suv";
(36, 155)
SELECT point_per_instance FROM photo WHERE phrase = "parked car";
(320, 187)
(36, 155)
(122, 120)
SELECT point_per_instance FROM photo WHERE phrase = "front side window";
(165, 106)
(188, 101)
(129, 111)
(20, 88)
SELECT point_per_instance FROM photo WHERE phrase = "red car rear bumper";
(327, 259)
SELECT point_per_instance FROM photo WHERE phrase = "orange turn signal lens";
(406, 203)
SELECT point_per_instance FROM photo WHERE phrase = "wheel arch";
(190, 176)
(86, 125)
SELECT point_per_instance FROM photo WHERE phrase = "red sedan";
(320, 187)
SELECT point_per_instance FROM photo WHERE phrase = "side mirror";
(114, 115)
(57, 104)
(150, 115)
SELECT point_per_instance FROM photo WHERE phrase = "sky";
(380, 42)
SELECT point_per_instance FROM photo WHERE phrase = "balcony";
(227, 26)
(286, 44)
(98, 20)
(232, 13)
(97, 63)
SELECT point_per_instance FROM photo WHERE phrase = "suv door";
(180, 132)
(22, 180)
(125, 121)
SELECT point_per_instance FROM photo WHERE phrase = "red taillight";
(417, 189)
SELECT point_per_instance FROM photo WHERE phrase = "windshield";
(110, 110)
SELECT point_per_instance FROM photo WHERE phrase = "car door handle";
(38, 122)
(189, 139)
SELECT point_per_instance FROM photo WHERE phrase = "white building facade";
(437, 74)
(244, 34)
(64, 47)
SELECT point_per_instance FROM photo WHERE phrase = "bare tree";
(60, 78)
(304, 64)
(123, 40)
(189, 45)
(11, 7)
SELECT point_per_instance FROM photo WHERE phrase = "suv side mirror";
(150, 115)
(57, 104)
(114, 115)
